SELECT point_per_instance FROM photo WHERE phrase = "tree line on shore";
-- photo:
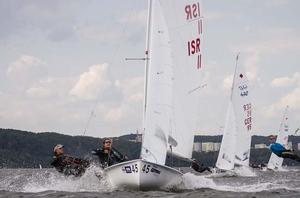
(22, 149)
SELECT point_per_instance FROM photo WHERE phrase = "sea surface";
(49, 183)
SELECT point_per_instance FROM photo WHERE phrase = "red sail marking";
(198, 9)
(199, 61)
(201, 26)
(192, 11)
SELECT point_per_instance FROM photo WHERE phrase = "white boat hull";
(142, 175)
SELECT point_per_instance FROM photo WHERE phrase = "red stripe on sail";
(199, 27)
(200, 57)
(198, 9)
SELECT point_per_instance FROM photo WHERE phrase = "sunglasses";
(108, 142)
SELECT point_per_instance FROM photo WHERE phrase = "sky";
(63, 67)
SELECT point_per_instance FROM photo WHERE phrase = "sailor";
(281, 151)
(199, 168)
(108, 155)
(66, 164)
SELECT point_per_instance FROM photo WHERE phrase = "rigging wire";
(111, 60)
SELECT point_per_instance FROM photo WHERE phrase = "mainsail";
(235, 147)
(275, 162)
(173, 79)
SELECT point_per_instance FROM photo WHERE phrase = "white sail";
(173, 79)
(173, 63)
(241, 100)
(275, 162)
(226, 155)
(184, 22)
(159, 89)
(237, 132)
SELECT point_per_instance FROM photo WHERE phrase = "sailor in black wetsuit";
(281, 151)
(199, 168)
(108, 155)
(66, 164)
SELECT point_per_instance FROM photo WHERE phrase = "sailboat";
(236, 142)
(275, 162)
(172, 80)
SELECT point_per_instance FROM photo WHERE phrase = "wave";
(193, 182)
(35, 180)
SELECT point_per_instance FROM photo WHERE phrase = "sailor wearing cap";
(66, 164)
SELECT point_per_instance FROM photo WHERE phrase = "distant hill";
(29, 150)
(23, 149)
(255, 139)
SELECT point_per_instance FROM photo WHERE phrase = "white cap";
(58, 146)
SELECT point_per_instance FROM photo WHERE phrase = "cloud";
(61, 33)
(26, 68)
(138, 18)
(17, 18)
(137, 97)
(286, 81)
(104, 33)
(251, 64)
(57, 88)
(272, 43)
(130, 102)
(38, 92)
(132, 88)
(114, 115)
(219, 15)
(92, 82)
(272, 40)
(277, 3)
(291, 98)
(227, 82)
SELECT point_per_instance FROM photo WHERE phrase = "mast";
(236, 64)
(148, 34)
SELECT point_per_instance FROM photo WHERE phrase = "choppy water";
(49, 183)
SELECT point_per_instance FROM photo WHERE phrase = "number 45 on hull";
(142, 175)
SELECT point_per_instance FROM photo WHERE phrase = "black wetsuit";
(281, 151)
(199, 168)
(289, 154)
(108, 159)
(70, 165)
